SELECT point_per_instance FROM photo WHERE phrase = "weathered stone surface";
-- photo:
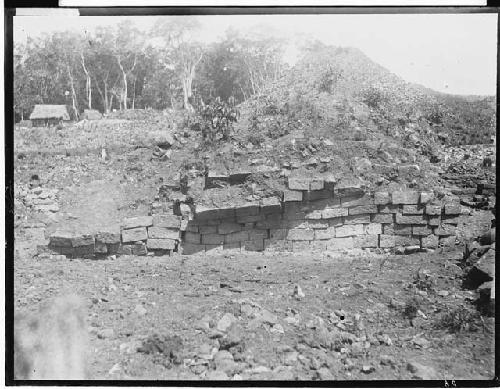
(314, 215)
(300, 234)
(410, 219)
(270, 205)
(248, 209)
(452, 209)
(161, 244)
(364, 241)
(83, 251)
(357, 219)
(139, 221)
(100, 248)
(292, 195)
(421, 230)
(412, 210)
(250, 218)
(447, 241)
(406, 240)
(355, 201)
(389, 208)
(329, 233)
(227, 228)
(134, 234)
(334, 213)
(82, 240)
(382, 198)
(348, 189)
(208, 229)
(318, 195)
(113, 248)
(190, 248)
(405, 197)
(253, 245)
(298, 183)
(426, 197)
(234, 237)
(397, 229)
(167, 221)
(300, 246)
(236, 246)
(163, 233)
(139, 248)
(430, 241)
(434, 221)
(110, 236)
(318, 224)
(373, 229)
(337, 244)
(387, 241)
(450, 219)
(349, 230)
(125, 249)
(431, 209)
(191, 227)
(184, 224)
(318, 245)
(446, 230)
(316, 184)
(61, 239)
(382, 218)
(209, 213)
(278, 233)
(192, 237)
(257, 234)
(335, 222)
(215, 239)
(363, 209)
(267, 224)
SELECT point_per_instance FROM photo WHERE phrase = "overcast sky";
(454, 53)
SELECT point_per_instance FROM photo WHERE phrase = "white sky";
(454, 53)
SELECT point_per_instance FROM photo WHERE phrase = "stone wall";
(311, 215)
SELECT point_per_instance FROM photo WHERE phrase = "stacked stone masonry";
(311, 215)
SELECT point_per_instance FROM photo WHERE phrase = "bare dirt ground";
(244, 316)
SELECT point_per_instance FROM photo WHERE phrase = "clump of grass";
(457, 320)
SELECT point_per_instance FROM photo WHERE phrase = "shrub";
(457, 319)
(217, 120)
(374, 97)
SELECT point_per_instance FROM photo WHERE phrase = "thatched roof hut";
(45, 111)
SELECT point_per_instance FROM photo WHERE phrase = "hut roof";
(45, 111)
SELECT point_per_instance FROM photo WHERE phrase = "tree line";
(122, 67)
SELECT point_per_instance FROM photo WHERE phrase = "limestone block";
(410, 219)
(354, 201)
(267, 224)
(412, 209)
(248, 209)
(236, 246)
(83, 251)
(300, 234)
(389, 208)
(316, 184)
(387, 241)
(100, 248)
(113, 248)
(270, 205)
(227, 228)
(191, 227)
(135, 234)
(363, 209)
(426, 197)
(136, 222)
(61, 239)
(447, 241)
(207, 229)
(363, 241)
(430, 241)
(349, 230)
(338, 244)
(317, 195)
(162, 233)
(334, 213)
(125, 249)
(406, 240)
(382, 218)
(214, 239)
(292, 195)
(421, 230)
(278, 233)
(79, 240)
(450, 219)
(298, 183)
(452, 209)
(301, 246)
(446, 230)
(161, 244)
(192, 237)
(315, 215)
(434, 221)
(335, 222)
(109, 236)
(250, 218)
(190, 248)
(167, 221)
(254, 245)
(405, 197)
(382, 198)
(357, 219)
(235, 237)
(432, 209)
(329, 233)
(318, 224)
(373, 229)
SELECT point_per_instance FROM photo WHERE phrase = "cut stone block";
(316, 184)
(432, 209)
(300, 234)
(452, 209)
(314, 215)
(162, 233)
(390, 208)
(410, 219)
(227, 228)
(191, 227)
(383, 218)
(426, 197)
(447, 241)
(253, 245)
(82, 240)
(357, 219)
(207, 229)
(430, 241)
(113, 248)
(382, 198)
(184, 224)
(421, 230)
(318, 224)
(267, 224)
(373, 229)
(364, 241)
(387, 241)
(161, 244)
(167, 221)
(215, 239)
(292, 195)
(300, 246)
(192, 237)
(108, 236)
(136, 222)
(235, 237)
(258, 234)
(363, 209)
(434, 221)
(134, 234)
(125, 249)
(61, 239)
(349, 230)
(190, 248)
(413, 210)
(405, 197)
(232, 246)
(335, 222)
(296, 183)
(318, 246)
(329, 233)
(139, 248)
(210, 213)
(406, 240)
(250, 218)
(355, 201)
(334, 213)
(446, 230)
(318, 195)
(450, 219)
(83, 251)
(270, 205)
(100, 248)
(248, 209)
(347, 190)
(338, 244)
(278, 233)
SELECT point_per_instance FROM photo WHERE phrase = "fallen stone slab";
(135, 222)
(161, 244)
(134, 234)
(166, 221)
